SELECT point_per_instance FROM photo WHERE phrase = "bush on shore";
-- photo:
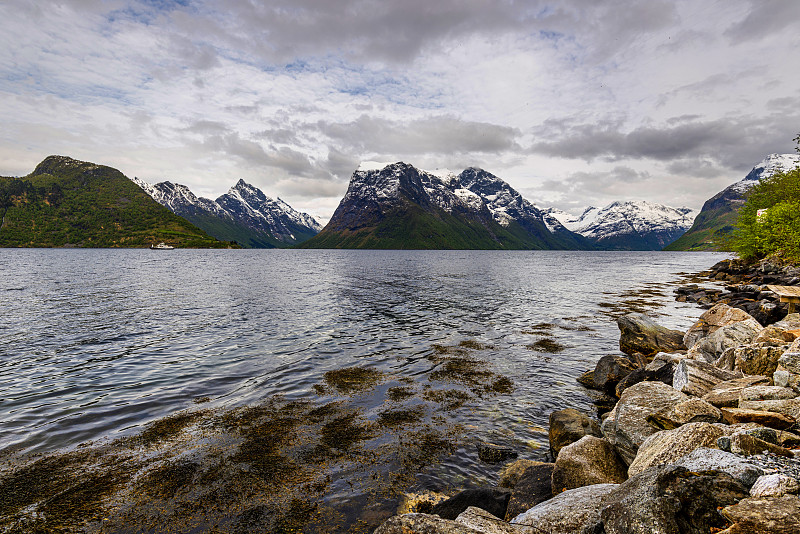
(776, 230)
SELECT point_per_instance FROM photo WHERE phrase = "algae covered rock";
(568, 426)
(533, 487)
(638, 333)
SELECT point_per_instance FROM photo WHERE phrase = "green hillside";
(713, 227)
(70, 203)
(409, 226)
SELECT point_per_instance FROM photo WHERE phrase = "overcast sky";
(574, 103)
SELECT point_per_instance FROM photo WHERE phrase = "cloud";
(736, 142)
(765, 18)
(438, 134)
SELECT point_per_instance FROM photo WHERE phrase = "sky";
(573, 103)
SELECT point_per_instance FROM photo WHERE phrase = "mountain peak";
(57, 164)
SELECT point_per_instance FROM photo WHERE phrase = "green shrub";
(777, 230)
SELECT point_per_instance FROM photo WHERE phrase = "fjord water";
(97, 343)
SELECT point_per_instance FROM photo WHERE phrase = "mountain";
(398, 206)
(244, 214)
(69, 203)
(715, 222)
(631, 225)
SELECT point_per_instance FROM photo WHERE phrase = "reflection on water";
(98, 343)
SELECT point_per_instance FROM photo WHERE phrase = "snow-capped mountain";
(715, 222)
(630, 225)
(243, 214)
(399, 206)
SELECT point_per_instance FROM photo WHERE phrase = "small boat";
(161, 246)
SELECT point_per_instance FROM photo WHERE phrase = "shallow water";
(97, 343)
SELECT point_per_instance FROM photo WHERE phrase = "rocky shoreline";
(696, 432)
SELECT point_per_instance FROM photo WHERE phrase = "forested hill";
(70, 203)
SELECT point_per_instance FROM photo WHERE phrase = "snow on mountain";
(630, 224)
(243, 204)
(770, 165)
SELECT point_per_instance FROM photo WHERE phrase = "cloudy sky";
(574, 103)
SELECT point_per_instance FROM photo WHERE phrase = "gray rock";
(708, 459)
(423, 524)
(533, 487)
(669, 500)
(694, 410)
(566, 513)
(774, 485)
(638, 333)
(790, 359)
(759, 393)
(483, 521)
(668, 446)
(626, 427)
(726, 394)
(568, 426)
(730, 336)
(712, 320)
(698, 378)
(757, 515)
(586, 462)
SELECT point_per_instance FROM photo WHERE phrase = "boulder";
(669, 500)
(638, 333)
(566, 513)
(726, 394)
(533, 487)
(775, 485)
(568, 426)
(588, 461)
(698, 378)
(662, 372)
(511, 473)
(708, 459)
(669, 445)
(694, 410)
(759, 393)
(492, 453)
(775, 335)
(762, 515)
(763, 418)
(733, 335)
(787, 407)
(717, 317)
(493, 500)
(586, 379)
(748, 445)
(626, 427)
(422, 524)
(610, 369)
(758, 359)
(484, 522)
(790, 359)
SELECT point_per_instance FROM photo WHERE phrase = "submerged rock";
(492, 453)
(493, 500)
(533, 487)
(568, 426)
(639, 333)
